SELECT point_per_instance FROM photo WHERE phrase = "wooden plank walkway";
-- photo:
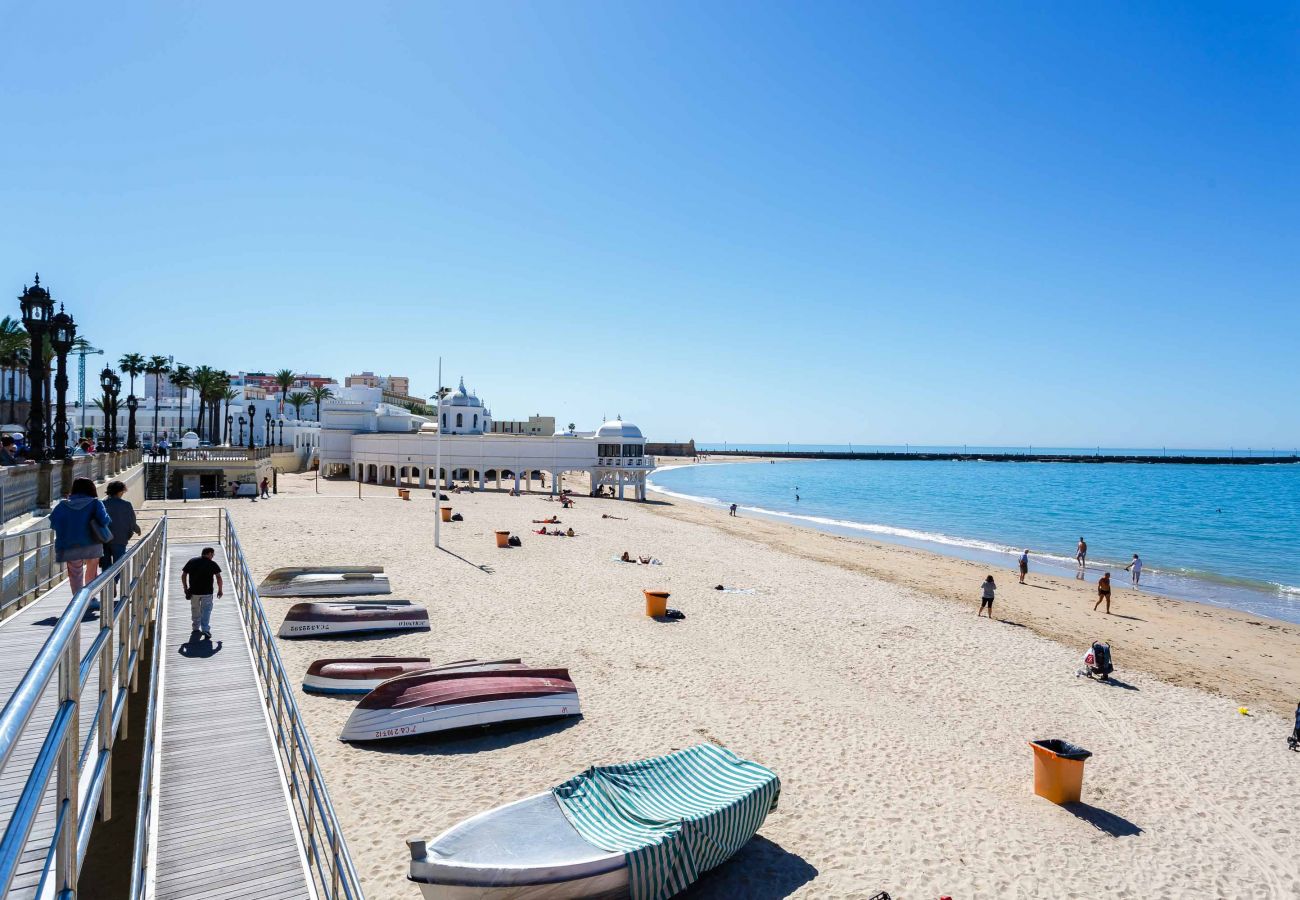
(21, 637)
(223, 824)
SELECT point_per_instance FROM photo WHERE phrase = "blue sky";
(871, 222)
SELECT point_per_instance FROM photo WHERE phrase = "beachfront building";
(368, 439)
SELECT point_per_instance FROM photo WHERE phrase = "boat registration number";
(395, 732)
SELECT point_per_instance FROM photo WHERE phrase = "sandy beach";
(897, 721)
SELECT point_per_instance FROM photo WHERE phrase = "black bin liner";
(1063, 749)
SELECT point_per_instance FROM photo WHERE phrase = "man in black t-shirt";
(197, 578)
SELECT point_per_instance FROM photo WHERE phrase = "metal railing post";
(105, 720)
(65, 859)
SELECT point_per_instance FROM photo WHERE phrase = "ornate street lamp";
(280, 442)
(38, 308)
(270, 432)
(63, 331)
(252, 421)
(111, 385)
(229, 422)
(132, 404)
(241, 429)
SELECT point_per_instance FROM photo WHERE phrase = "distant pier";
(925, 456)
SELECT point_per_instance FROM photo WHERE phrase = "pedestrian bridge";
(229, 799)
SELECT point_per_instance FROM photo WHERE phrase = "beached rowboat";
(427, 702)
(325, 581)
(352, 617)
(362, 674)
(644, 830)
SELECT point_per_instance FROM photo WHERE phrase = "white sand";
(897, 721)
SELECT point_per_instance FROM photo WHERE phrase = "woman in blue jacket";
(80, 523)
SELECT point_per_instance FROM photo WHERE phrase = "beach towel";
(673, 817)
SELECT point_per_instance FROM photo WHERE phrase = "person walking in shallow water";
(987, 590)
(733, 509)
(1024, 565)
(1136, 567)
(1103, 593)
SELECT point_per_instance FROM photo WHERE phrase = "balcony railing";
(224, 454)
(627, 462)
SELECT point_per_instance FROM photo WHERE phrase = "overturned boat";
(325, 581)
(644, 830)
(326, 619)
(362, 674)
(428, 702)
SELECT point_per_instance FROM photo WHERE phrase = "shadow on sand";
(1105, 822)
(482, 567)
(479, 739)
(761, 870)
(199, 647)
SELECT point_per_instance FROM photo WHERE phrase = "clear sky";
(1057, 224)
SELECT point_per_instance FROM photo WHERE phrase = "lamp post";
(229, 422)
(269, 434)
(63, 331)
(252, 422)
(38, 308)
(241, 429)
(111, 384)
(280, 442)
(132, 404)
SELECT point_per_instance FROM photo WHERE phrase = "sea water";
(1224, 535)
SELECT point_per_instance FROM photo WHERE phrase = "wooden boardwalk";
(223, 825)
(21, 638)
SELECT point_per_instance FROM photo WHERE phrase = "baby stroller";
(1096, 662)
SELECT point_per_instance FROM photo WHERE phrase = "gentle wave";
(931, 537)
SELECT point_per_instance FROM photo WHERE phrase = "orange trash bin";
(446, 515)
(503, 539)
(1058, 770)
(404, 493)
(656, 603)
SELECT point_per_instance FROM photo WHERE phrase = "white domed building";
(369, 440)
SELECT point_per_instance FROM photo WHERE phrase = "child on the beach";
(1136, 566)
(988, 588)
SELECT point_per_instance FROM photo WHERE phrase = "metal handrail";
(128, 593)
(327, 852)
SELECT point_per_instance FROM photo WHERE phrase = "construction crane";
(83, 350)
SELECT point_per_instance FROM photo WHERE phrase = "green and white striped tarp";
(674, 817)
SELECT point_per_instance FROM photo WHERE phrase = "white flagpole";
(437, 466)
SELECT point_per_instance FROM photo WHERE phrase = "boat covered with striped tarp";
(644, 830)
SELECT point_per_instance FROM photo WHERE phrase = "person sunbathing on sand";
(645, 560)
(625, 557)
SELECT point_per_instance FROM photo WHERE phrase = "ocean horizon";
(994, 449)
(1221, 535)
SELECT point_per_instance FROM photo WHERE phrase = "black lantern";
(241, 429)
(111, 385)
(132, 404)
(63, 331)
(38, 308)
(252, 423)
(280, 442)
(229, 422)
(269, 434)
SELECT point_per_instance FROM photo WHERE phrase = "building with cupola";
(366, 438)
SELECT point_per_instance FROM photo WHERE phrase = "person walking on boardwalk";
(81, 528)
(197, 579)
(987, 590)
(1024, 565)
(122, 513)
(1136, 567)
(1103, 593)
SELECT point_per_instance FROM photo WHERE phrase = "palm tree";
(298, 399)
(157, 366)
(182, 377)
(230, 395)
(131, 364)
(285, 379)
(319, 393)
(13, 339)
(204, 380)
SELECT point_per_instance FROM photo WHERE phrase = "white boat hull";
(606, 886)
(317, 629)
(326, 585)
(384, 724)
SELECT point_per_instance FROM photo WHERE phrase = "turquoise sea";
(1224, 535)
